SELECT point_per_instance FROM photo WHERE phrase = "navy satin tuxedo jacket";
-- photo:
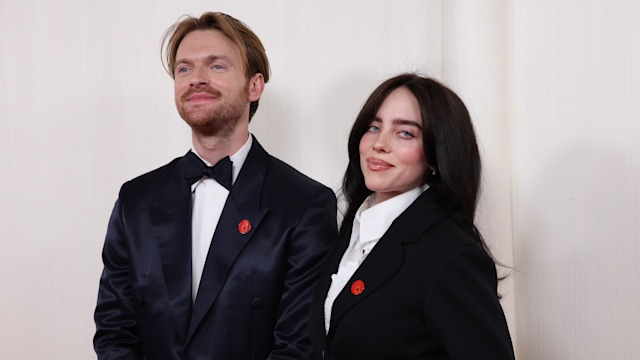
(429, 293)
(256, 288)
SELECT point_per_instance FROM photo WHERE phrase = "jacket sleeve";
(115, 336)
(463, 308)
(314, 235)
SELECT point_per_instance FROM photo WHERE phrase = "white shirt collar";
(237, 160)
(375, 219)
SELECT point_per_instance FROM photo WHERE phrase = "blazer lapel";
(230, 236)
(170, 220)
(379, 266)
(386, 258)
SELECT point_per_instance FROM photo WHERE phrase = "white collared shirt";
(208, 199)
(369, 225)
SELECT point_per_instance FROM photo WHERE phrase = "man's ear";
(256, 87)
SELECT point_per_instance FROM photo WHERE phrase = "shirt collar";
(375, 219)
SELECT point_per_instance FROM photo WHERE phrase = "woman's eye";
(373, 128)
(406, 134)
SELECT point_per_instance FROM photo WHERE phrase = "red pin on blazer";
(244, 226)
(357, 287)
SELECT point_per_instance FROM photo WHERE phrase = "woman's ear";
(431, 175)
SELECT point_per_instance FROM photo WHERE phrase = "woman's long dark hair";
(449, 144)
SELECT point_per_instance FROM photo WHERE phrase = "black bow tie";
(196, 169)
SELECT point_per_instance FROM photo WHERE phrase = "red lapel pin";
(357, 287)
(244, 226)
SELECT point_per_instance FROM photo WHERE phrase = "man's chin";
(211, 128)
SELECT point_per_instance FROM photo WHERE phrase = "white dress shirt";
(208, 199)
(370, 223)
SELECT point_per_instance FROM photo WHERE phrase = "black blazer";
(254, 296)
(429, 293)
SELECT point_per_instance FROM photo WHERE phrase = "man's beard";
(219, 120)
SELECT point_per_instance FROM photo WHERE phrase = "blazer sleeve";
(309, 243)
(115, 336)
(463, 307)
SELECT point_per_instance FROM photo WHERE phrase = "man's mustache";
(203, 89)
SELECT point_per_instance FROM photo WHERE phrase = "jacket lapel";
(170, 219)
(230, 237)
(379, 266)
(386, 258)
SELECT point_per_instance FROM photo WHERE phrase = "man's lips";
(200, 97)
(377, 164)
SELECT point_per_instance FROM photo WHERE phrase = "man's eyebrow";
(209, 58)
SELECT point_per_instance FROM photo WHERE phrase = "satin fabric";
(254, 296)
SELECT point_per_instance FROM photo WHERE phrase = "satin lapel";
(170, 219)
(386, 258)
(228, 241)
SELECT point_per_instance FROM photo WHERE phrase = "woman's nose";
(381, 143)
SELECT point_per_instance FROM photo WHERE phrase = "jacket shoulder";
(150, 180)
(290, 179)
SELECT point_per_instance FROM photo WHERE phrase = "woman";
(411, 277)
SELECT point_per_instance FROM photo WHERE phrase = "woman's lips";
(377, 164)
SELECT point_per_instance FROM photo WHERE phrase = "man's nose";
(199, 77)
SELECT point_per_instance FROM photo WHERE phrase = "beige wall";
(576, 175)
(553, 87)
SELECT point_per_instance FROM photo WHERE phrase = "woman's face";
(391, 152)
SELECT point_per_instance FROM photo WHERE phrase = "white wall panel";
(576, 178)
(475, 64)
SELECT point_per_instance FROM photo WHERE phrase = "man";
(197, 268)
